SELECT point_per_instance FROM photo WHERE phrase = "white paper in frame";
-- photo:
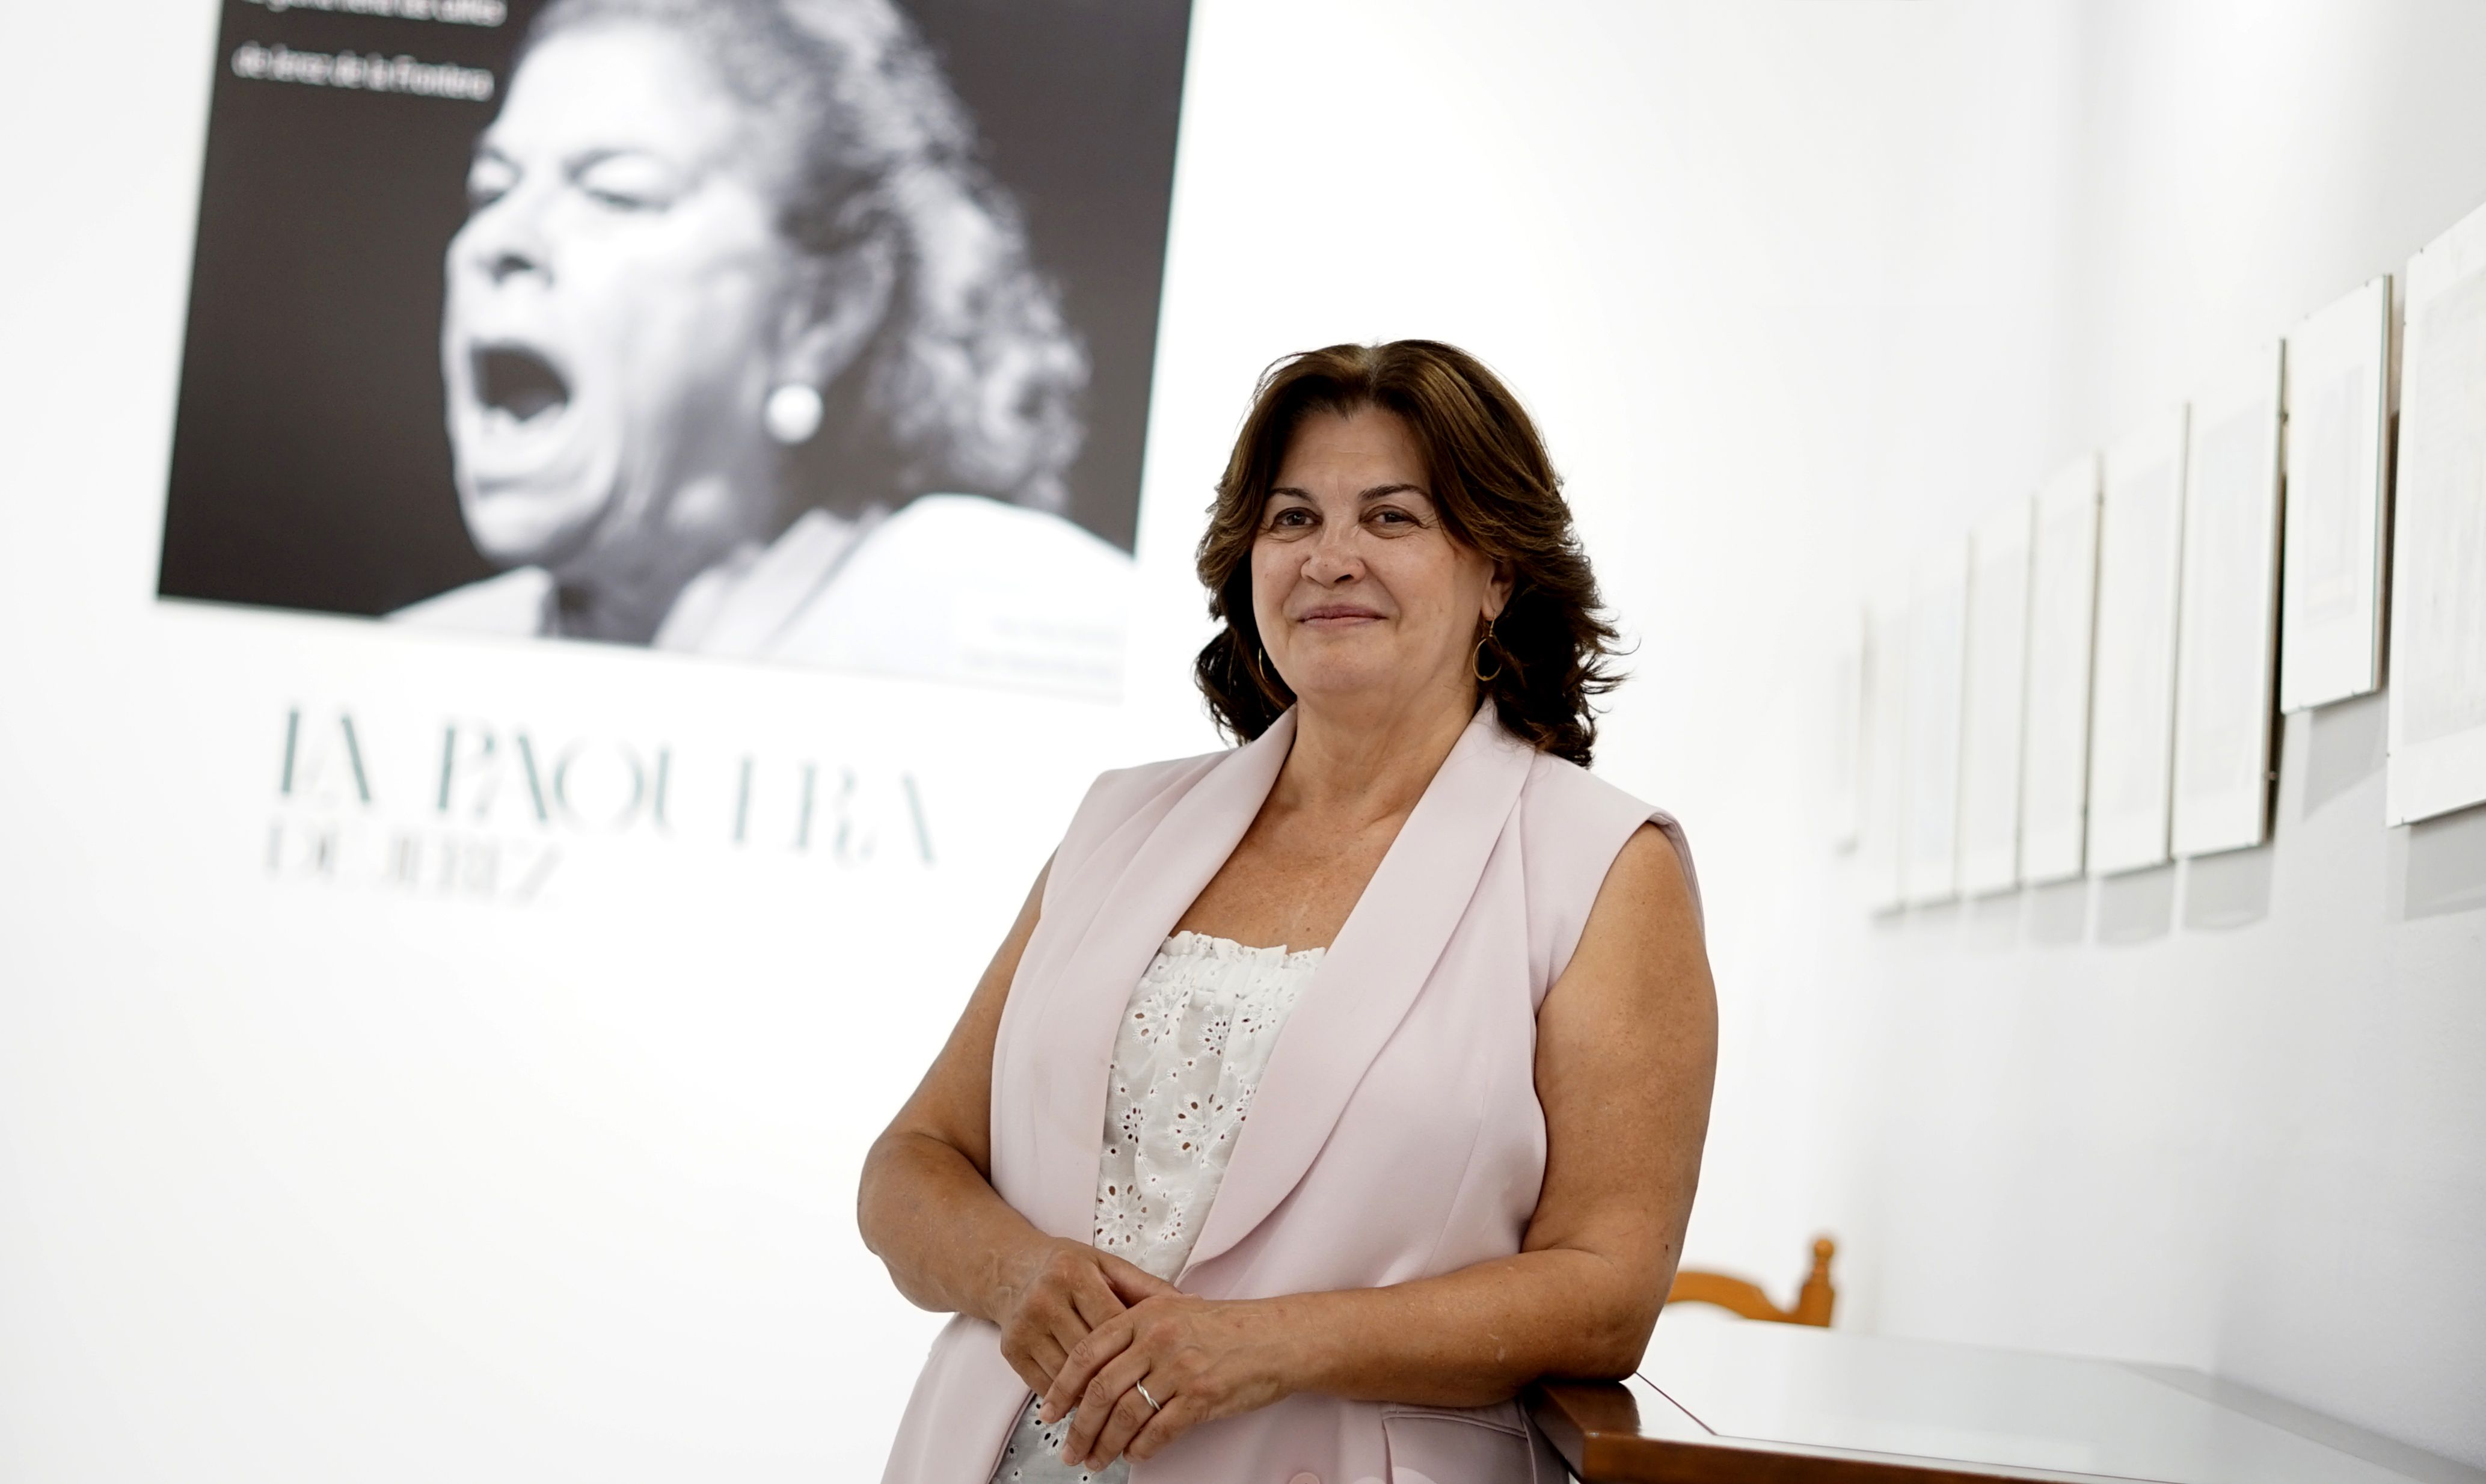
(2337, 457)
(1937, 625)
(1886, 731)
(1993, 707)
(2226, 671)
(2141, 552)
(1843, 749)
(2062, 629)
(2437, 580)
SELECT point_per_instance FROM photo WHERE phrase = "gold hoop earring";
(1256, 661)
(1476, 666)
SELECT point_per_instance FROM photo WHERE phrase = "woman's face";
(612, 307)
(1358, 592)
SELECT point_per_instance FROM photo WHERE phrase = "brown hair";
(1496, 492)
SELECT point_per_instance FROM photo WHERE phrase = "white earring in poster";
(793, 413)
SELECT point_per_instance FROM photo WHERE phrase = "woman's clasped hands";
(1170, 1362)
(1054, 1297)
(1133, 1360)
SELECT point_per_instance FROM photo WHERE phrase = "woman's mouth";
(518, 383)
(1339, 615)
(516, 423)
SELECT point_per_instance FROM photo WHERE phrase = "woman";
(731, 292)
(1406, 1107)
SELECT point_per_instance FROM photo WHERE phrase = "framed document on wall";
(2140, 550)
(1885, 738)
(2062, 627)
(1937, 623)
(1842, 753)
(2227, 633)
(2437, 682)
(1993, 714)
(2338, 484)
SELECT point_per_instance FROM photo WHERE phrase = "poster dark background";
(309, 468)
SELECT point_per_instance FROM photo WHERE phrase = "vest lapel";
(1371, 975)
(1072, 1040)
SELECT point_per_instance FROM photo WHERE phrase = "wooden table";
(1725, 1401)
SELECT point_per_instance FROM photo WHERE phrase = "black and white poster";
(811, 331)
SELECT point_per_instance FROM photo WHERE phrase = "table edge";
(2384, 1453)
(1578, 1418)
(1594, 1425)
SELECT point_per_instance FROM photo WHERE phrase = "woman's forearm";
(1470, 1337)
(951, 1243)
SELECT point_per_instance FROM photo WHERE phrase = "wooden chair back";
(1813, 1302)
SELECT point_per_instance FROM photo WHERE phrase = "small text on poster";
(359, 73)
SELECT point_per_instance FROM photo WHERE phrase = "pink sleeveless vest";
(1396, 1134)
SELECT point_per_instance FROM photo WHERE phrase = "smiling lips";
(1339, 615)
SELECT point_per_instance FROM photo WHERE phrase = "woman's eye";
(1291, 516)
(1391, 517)
(619, 200)
(488, 180)
(627, 183)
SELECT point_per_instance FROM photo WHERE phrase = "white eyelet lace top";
(1192, 1046)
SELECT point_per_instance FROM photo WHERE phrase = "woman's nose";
(1333, 558)
(504, 240)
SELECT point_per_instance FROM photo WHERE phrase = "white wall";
(302, 1180)
(2226, 1115)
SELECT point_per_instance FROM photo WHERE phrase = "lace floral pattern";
(1193, 1043)
(1034, 1455)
